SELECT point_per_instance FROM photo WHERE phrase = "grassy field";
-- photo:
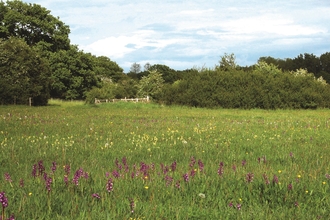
(144, 161)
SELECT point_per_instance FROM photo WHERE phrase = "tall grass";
(145, 161)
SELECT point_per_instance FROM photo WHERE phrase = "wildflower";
(66, 180)
(249, 177)
(96, 195)
(115, 174)
(146, 187)
(201, 165)
(296, 204)
(168, 180)
(192, 161)
(41, 167)
(291, 154)
(220, 170)
(53, 168)
(67, 169)
(173, 166)
(132, 205)
(323, 183)
(21, 182)
(3, 200)
(275, 180)
(117, 164)
(290, 187)
(8, 178)
(177, 184)
(49, 181)
(280, 171)
(12, 217)
(243, 163)
(202, 195)
(192, 173)
(230, 204)
(239, 206)
(186, 177)
(109, 186)
(34, 170)
(266, 178)
(327, 176)
(77, 176)
(298, 176)
(30, 193)
(306, 191)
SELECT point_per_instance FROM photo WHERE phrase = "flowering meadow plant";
(138, 161)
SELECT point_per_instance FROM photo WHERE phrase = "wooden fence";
(98, 101)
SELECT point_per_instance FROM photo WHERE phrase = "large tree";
(23, 74)
(72, 73)
(107, 69)
(34, 24)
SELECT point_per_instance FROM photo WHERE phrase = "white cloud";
(182, 33)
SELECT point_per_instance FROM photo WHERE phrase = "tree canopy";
(23, 74)
(34, 24)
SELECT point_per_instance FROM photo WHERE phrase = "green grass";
(293, 145)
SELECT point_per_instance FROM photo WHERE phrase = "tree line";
(37, 60)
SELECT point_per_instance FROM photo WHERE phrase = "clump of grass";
(144, 161)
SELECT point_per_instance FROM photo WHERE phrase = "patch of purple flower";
(220, 170)
(115, 174)
(21, 183)
(67, 169)
(168, 180)
(3, 200)
(186, 177)
(200, 165)
(41, 168)
(249, 177)
(109, 186)
(34, 170)
(132, 205)
(53, 168)
(192, 162)
(96, 195)
(7, 177)
(177, 184)
(266, 179)
(173, 166)
(275, 179)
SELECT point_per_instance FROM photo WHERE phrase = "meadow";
(146, 161)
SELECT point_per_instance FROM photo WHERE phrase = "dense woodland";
(38, 61)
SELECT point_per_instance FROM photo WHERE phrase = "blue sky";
(183, 34)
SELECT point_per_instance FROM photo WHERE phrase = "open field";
(144, 161)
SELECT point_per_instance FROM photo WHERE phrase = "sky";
(185, 34)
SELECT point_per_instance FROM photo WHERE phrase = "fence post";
(95, 101)
(30, 101)
(147, 98)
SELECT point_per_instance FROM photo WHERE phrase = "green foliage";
(265, 87)
(23, 74)
(72, 74)
(227, 62)
(34, 24)
(151, 85)
(106, 69)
